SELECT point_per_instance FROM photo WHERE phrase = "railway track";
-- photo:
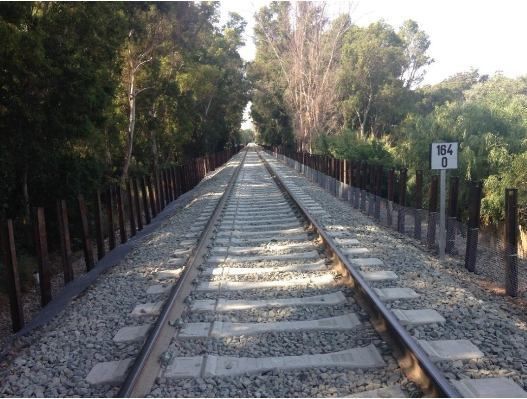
(266, 286)
(269, 305)
(275, 302)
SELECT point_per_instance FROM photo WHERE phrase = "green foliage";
(247, 136)
(382, 116)
(511, 175)
(375, 95)
(352, 146)
(449, 90)
(416, 43)
(488, 118)
(56, 84)
(371, 71)
(64, 104)
(268, 110)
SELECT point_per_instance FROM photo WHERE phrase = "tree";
(93, 92)
(149, 28)
(450, 89)
(489, 121)
(190, 79)
(268, 83)
(56, 86)
(416, 43)
(373, 61)
(306, 49)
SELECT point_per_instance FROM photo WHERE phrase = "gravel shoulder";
(496, 324)
(53, 360)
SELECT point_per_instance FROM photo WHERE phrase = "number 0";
(444, 162)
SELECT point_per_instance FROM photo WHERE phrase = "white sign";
(443, 156)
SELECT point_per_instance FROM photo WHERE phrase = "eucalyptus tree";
(304, 46)
(149, 33)
(266, 74)
(416, 43)
(88, 90)
(372, 64)
(192, 87)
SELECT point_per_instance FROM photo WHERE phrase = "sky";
(464, 34)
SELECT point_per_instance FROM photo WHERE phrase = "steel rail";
(146, 366)
(414, 362)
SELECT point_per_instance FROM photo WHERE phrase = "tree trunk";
(362, 129)
(131, 126)
(365, 116)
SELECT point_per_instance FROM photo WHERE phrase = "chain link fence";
(489, 252)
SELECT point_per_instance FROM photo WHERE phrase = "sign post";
(443, 156)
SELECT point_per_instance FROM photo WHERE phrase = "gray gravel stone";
(495, 324)
(59, 355)
(306, 383)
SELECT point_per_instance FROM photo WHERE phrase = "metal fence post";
(157, 191)
(356, 190)
(432, 212)
(166, 191)
(317, 168)
(177, 185)
(452, 212)
(152, 195)
(41, 242)
(371, 192)
(144, 194)
(336, 177)
(65, 241)
(511, 241)
(99, 234)
(137, 203)
(181, 176)
(378, 181)
(345, 171)
(389, 205)
(339, 179)
(474, 206)
(327, 174)
(168, 183)
(418, 203)
(120, 210)
(402, 201)
(7, 239)
(86, 238)
(161, 190)
(109, 214)
(363, 169)
(320, 170)
(349, 179)
(173, 177)
(131, 212)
